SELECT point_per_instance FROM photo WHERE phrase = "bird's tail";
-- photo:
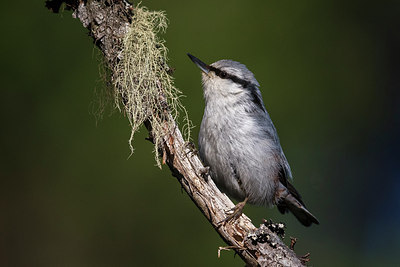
(292, 202)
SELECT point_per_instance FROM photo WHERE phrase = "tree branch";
(108, 21)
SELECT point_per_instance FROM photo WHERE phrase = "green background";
(329, 75)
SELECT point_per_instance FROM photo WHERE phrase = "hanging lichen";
(143, 87)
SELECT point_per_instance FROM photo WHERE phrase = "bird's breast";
(236, 146)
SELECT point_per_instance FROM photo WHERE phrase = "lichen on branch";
(143, 87)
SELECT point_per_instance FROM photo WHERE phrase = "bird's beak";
(203, 66)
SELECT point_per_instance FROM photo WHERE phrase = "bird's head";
(229, 79)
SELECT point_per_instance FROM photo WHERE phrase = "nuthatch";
(239, 142)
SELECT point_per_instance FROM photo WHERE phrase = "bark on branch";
(108, 22)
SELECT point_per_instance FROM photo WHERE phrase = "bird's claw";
(234, 213)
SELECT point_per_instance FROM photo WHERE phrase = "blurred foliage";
(329, 74)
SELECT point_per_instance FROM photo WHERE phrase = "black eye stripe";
(223, 75)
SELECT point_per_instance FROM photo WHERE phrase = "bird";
(239, 144)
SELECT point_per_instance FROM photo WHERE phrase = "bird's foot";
(235, 212)
(204, 172)
(191, 148)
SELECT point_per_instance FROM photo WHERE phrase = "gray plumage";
(239, 142)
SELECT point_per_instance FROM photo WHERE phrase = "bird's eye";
(223, 74)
